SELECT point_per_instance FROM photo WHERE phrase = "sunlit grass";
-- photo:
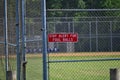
(71, 70)
(67, 70)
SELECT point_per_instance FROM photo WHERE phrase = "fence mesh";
(11, 35)
(94, 54)
(91, 58)
(34, 40)
(2, 58)
(33, 37)
(33, 25)
(98, 32)
(7, 38)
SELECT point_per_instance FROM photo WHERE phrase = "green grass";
(2, 71)
(12, 66)
(67, 70)
(71, 71)
(82, 70)
(34, 69)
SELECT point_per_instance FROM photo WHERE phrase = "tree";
(111, 4)
(64, 4)
(94, 4)
(53, 4)
(78, 4)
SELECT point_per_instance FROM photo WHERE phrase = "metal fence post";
(97, 34)
(23, 39)
(6, 38)
(90, 34)
(111, 37)
(44, 34)
(17, 40)
(115, 74)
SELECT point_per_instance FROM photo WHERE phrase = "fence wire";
(33, 36)
(91, 58)
(98, 29)
(34, 40)
(33, 26)
(2, 57)
(96, 51)
(11, 35)
(8, 39)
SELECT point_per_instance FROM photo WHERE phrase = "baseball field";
(66, 66)
(88, 70)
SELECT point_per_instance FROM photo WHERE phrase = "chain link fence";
(8, 41)
(98, 29)
(33, 26)
(9, 36)
(34, 40)
(91, 58)
(98, 40)
(97, 49)
(2, 60)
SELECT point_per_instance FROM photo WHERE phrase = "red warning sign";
(63, 37)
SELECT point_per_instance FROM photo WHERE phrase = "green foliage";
(111, 4)
(94, 4)
(33, 6)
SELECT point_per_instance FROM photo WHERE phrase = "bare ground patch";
(70, 54)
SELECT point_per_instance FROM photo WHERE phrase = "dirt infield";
(69, 54)
(77, 54)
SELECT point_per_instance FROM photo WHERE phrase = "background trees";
(33, 6)
(63, 4)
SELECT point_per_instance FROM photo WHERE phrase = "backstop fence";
(13, 37)
(7, 39)
(97, 49)
(11, 40)
(2, 59)
(98, 29)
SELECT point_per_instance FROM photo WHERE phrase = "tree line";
(83, 4)
(32, 5)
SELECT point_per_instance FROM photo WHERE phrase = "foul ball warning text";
(63, 37)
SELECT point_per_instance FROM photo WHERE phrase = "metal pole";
(83, 10)
(45, 71)
(90, 32)
(6, 38)
(111, 37)
(96, 35)
(17, 40)
(23, 39)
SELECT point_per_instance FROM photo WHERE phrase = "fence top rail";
(83, 9)
(84, 21)
(89, 60)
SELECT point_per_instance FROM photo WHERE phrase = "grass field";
(72, 71)
(12, 66)
(2, 71)
(95, 70)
